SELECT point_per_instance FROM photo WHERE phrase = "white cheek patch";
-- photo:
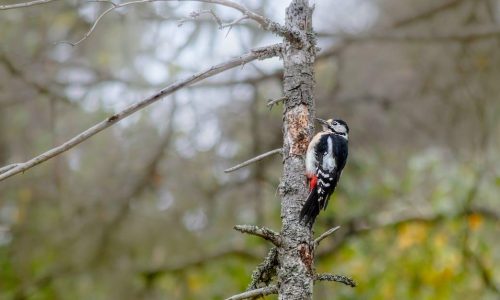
(339, 128)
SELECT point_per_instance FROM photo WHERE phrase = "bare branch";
(230, 25)
(266, 23)
(195, 14)
(251, 161)
(258, 53)
(272, 102)
(325, 235)
(7, 168)
(262, 232)
(235, 22)
(270, 290)
(337, 278)
(265, 271)
(24, 4)
(94, 25)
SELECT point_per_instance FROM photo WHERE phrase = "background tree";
(416, 81)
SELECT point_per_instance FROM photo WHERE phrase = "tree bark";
(295, 273)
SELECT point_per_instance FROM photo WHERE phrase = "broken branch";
(325, 235)
(262, 232)
(337, 278)
(272, 102)
(270, 290)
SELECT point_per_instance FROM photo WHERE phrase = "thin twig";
(262, 232)
(24, 4)
(234, 22)
(252, 160)
(265, 23)
(230, 25)
(94, 25)
(195, 14)
(270, 290)
(337, 278)
(325, 235)
(258, 53)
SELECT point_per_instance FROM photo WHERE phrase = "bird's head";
(338, 127)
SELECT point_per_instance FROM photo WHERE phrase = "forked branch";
(266, 23)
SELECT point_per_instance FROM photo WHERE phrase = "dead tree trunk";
(295, 256)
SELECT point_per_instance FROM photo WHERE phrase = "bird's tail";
(311, 208)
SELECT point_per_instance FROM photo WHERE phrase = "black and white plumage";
(325, 159)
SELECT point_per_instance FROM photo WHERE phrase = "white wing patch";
(328, 160)
(311, 162)
(325, 184)
(323, 174)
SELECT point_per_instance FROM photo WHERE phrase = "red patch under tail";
(313, 182)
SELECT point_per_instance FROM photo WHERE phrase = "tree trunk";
(295, 273)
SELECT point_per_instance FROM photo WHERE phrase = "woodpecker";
(326, 156)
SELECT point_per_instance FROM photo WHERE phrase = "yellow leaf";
(475, 221)
(195, 282)
(440, 240)
(411, 234)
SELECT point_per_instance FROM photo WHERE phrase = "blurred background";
(144, 210)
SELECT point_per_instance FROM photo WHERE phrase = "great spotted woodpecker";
(325, 158)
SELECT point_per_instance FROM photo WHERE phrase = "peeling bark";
(296, 263)
(297, 119)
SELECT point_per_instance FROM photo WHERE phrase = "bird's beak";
(322, 121)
